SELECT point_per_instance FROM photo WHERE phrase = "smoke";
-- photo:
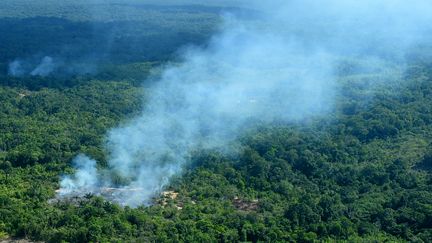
(16, 69)
(85, 178)
(44, 67)
(278, 66)
(50, 66)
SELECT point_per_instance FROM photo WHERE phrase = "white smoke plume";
(278, 66)
(16, 69)
(45, 67)
(85, 178)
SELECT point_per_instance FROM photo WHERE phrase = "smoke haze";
(278, 66)
(44, 68)
(16, 69)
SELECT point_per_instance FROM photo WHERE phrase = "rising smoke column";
(278, 66)
(16, 69)
(45, 67)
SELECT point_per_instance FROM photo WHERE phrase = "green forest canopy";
(362, 174)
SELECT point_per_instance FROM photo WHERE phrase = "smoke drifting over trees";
(19, 68)
(278, 65)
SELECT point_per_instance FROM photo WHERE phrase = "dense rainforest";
(363, 173)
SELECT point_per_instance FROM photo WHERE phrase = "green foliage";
(360, 174)
(52, 126)
(321, 182)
